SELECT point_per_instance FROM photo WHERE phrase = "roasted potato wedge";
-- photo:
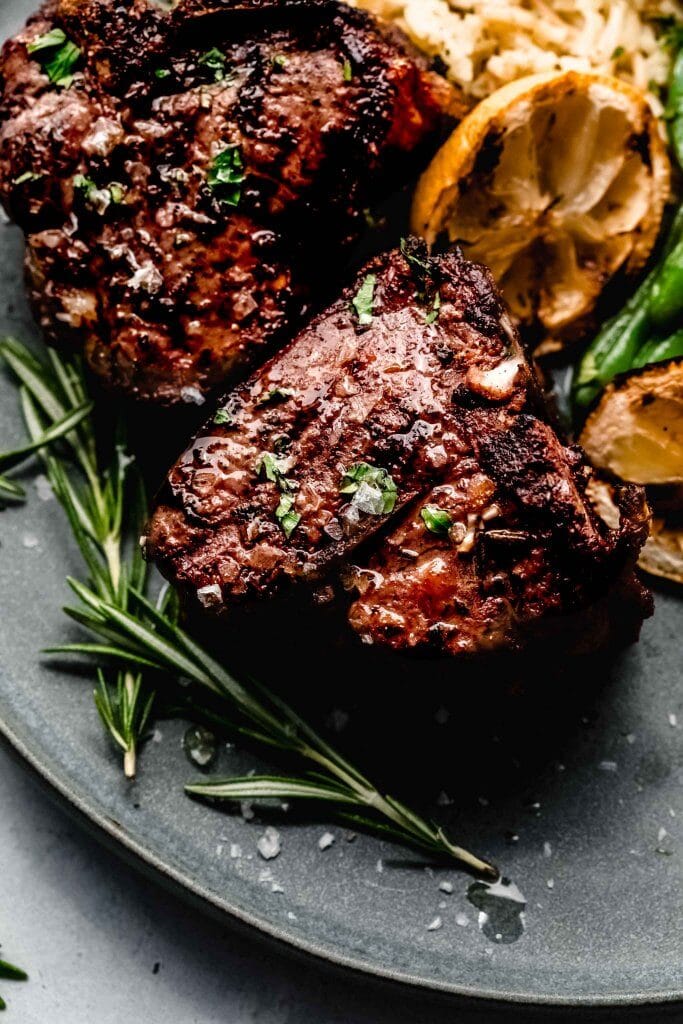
(636, 434)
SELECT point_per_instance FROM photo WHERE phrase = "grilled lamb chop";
(194, 188)
(404, 431)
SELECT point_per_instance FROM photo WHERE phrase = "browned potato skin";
(636, 434)
(172, 292)
(636, 431)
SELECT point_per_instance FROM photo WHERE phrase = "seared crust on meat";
(433, 389)
(169, 287)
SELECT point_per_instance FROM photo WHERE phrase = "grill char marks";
(526, 558)
(173, 290)
(449, 407)
(379, 394)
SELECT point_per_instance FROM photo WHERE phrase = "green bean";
(617, 345)
(666, 300)
(674, 108)
(660, 350)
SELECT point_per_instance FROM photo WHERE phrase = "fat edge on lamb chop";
(176, 173)
(401, 444)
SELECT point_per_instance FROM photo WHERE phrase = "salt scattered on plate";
(269, 845)
(326, 841)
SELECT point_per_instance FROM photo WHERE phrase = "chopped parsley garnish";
(162, 73)
(276, 395)
(27, 176)
(49, 41)
(85, 185)
(422, 270)
(99, 199)
(118, 192)
(411, 253)
(58, 55)
(271, 468)
(216, 61)
(373, 490)
(437, 520)
(286, 516)
(222, 418)
(226, 176)
(348, 70)
(280, 61)
(364, 301)
(619, 52)
(433, 315)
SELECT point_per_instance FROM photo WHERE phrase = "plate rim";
(123, 842)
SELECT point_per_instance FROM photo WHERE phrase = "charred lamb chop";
(188, 179)
(401, 443)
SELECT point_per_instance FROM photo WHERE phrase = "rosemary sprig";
(124, 713)
(104, 502)
(136, 634)
(147, 636)
(8, 972)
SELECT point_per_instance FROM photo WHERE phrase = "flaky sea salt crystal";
(43, 488)
(326, 841)
(269, 845)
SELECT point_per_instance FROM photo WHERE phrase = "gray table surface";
(104, 945)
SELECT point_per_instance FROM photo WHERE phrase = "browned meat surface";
(191, 193)
(401, 442)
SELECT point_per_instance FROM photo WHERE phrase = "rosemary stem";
(111, 548)
(130, 755)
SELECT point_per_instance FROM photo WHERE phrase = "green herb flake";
(364, 301)
(433, 315)
(99, 199)
(269, 467)
(58, 55)
(619, 52)
(417, 263)
(85, 185)
(222, 418)
(372, 489)
(280, 61)
(162, 73)
(215, 60)
(347, 71)
(27, 176)
(118, 192)
(286, 516)
(49, 41)
(226, 176)
(276, 395)
(437, 520)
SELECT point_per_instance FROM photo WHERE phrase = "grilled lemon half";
(556, 182)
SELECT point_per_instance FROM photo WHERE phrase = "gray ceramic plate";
(573, 787)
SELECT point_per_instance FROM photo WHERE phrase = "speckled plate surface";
(571, 781)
